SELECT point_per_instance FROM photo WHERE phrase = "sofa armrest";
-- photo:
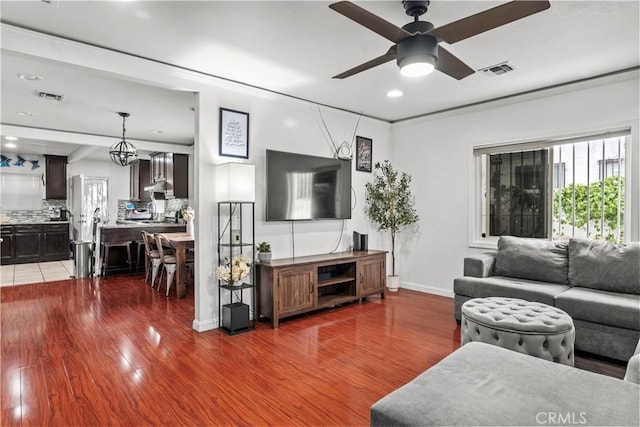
(633, 367)
(480, 265)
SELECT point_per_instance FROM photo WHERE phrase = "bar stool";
(153, 257)
(140, 253)
(168, 261)
(106, 247)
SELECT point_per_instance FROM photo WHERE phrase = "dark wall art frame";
(234, 133)
(364, 154)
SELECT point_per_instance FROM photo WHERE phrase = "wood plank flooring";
(115, 352)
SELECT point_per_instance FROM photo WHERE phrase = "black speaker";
(356, 241)
(235, 317)
(364, 242)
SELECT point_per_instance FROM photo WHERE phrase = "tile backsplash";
(50, 206)
(25, 216)
(170, 206)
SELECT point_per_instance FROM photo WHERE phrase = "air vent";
(51, 96)
(498, 69)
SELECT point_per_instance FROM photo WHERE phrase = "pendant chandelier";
(123, 153)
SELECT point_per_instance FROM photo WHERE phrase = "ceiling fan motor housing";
(420, 46)
(415, 8)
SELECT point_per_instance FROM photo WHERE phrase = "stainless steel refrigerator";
(89, 200)
(89, 208)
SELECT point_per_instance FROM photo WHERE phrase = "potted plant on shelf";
(389, 203)
(264, 251)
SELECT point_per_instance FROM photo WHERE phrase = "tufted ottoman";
(527, 327)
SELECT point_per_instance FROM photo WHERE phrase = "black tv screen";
(302, 187)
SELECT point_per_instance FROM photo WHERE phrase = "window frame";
(477, 212)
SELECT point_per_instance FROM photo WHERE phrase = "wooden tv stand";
(291, 286)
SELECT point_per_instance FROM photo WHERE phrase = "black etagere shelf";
(236, 304)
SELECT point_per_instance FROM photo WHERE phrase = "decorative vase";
(190, 228)
(264, 256)
(238, 283)
(393, 283)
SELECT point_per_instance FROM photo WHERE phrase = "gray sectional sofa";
(596, 283)
(484, 385)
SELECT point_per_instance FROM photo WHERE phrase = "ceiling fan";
(417, 48)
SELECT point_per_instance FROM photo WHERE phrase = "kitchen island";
(122, 235)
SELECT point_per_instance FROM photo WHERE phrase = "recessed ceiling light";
(29, 77)
(156, 131)
(11, 138)
(26, 113)
(394, 93)
(10, 145)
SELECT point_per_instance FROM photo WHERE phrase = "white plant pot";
(393, 283)
(264, 256)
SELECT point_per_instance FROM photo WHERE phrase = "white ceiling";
(294, 47)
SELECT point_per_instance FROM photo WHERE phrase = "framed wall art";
(234, 133)
(363, 154)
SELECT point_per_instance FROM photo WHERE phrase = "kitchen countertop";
(41, 222)
(140, 224)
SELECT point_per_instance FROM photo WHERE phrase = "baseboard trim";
(427, 289)
(203, 326)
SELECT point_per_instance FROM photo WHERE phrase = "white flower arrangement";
(188, 214)
(234, 270)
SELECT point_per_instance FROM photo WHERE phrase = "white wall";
(437, 152)
(276, 123)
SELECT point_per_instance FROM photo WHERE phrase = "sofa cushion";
(632, 373)
(606, 266)
(481, 384)
(534, 259)
(509, 287)
(607, 308)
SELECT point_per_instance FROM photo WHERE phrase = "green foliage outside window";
(563, 210)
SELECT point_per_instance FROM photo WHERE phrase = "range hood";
(161, 190)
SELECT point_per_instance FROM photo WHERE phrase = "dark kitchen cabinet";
(7, 250)
(28, 243)
(181, 176)
(140, 174)
(171, 170)
(55, 242)
(23, 243)
(55, 177)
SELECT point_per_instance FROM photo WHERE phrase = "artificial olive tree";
(389, 203)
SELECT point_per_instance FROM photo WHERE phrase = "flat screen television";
(303, 187)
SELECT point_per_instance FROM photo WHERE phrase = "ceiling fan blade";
(391, 54)
(373, 22)
(488, 20)
(449, 64)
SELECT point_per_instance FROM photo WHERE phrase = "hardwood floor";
(115, 352)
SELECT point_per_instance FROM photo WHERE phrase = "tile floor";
(21, 274)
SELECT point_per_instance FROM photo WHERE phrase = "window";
(611, 167)
(517, 202)
(559, 175)
(554, 189)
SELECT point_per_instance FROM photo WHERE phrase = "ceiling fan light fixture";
(417, 69)
(417, 55)
(123, 153)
